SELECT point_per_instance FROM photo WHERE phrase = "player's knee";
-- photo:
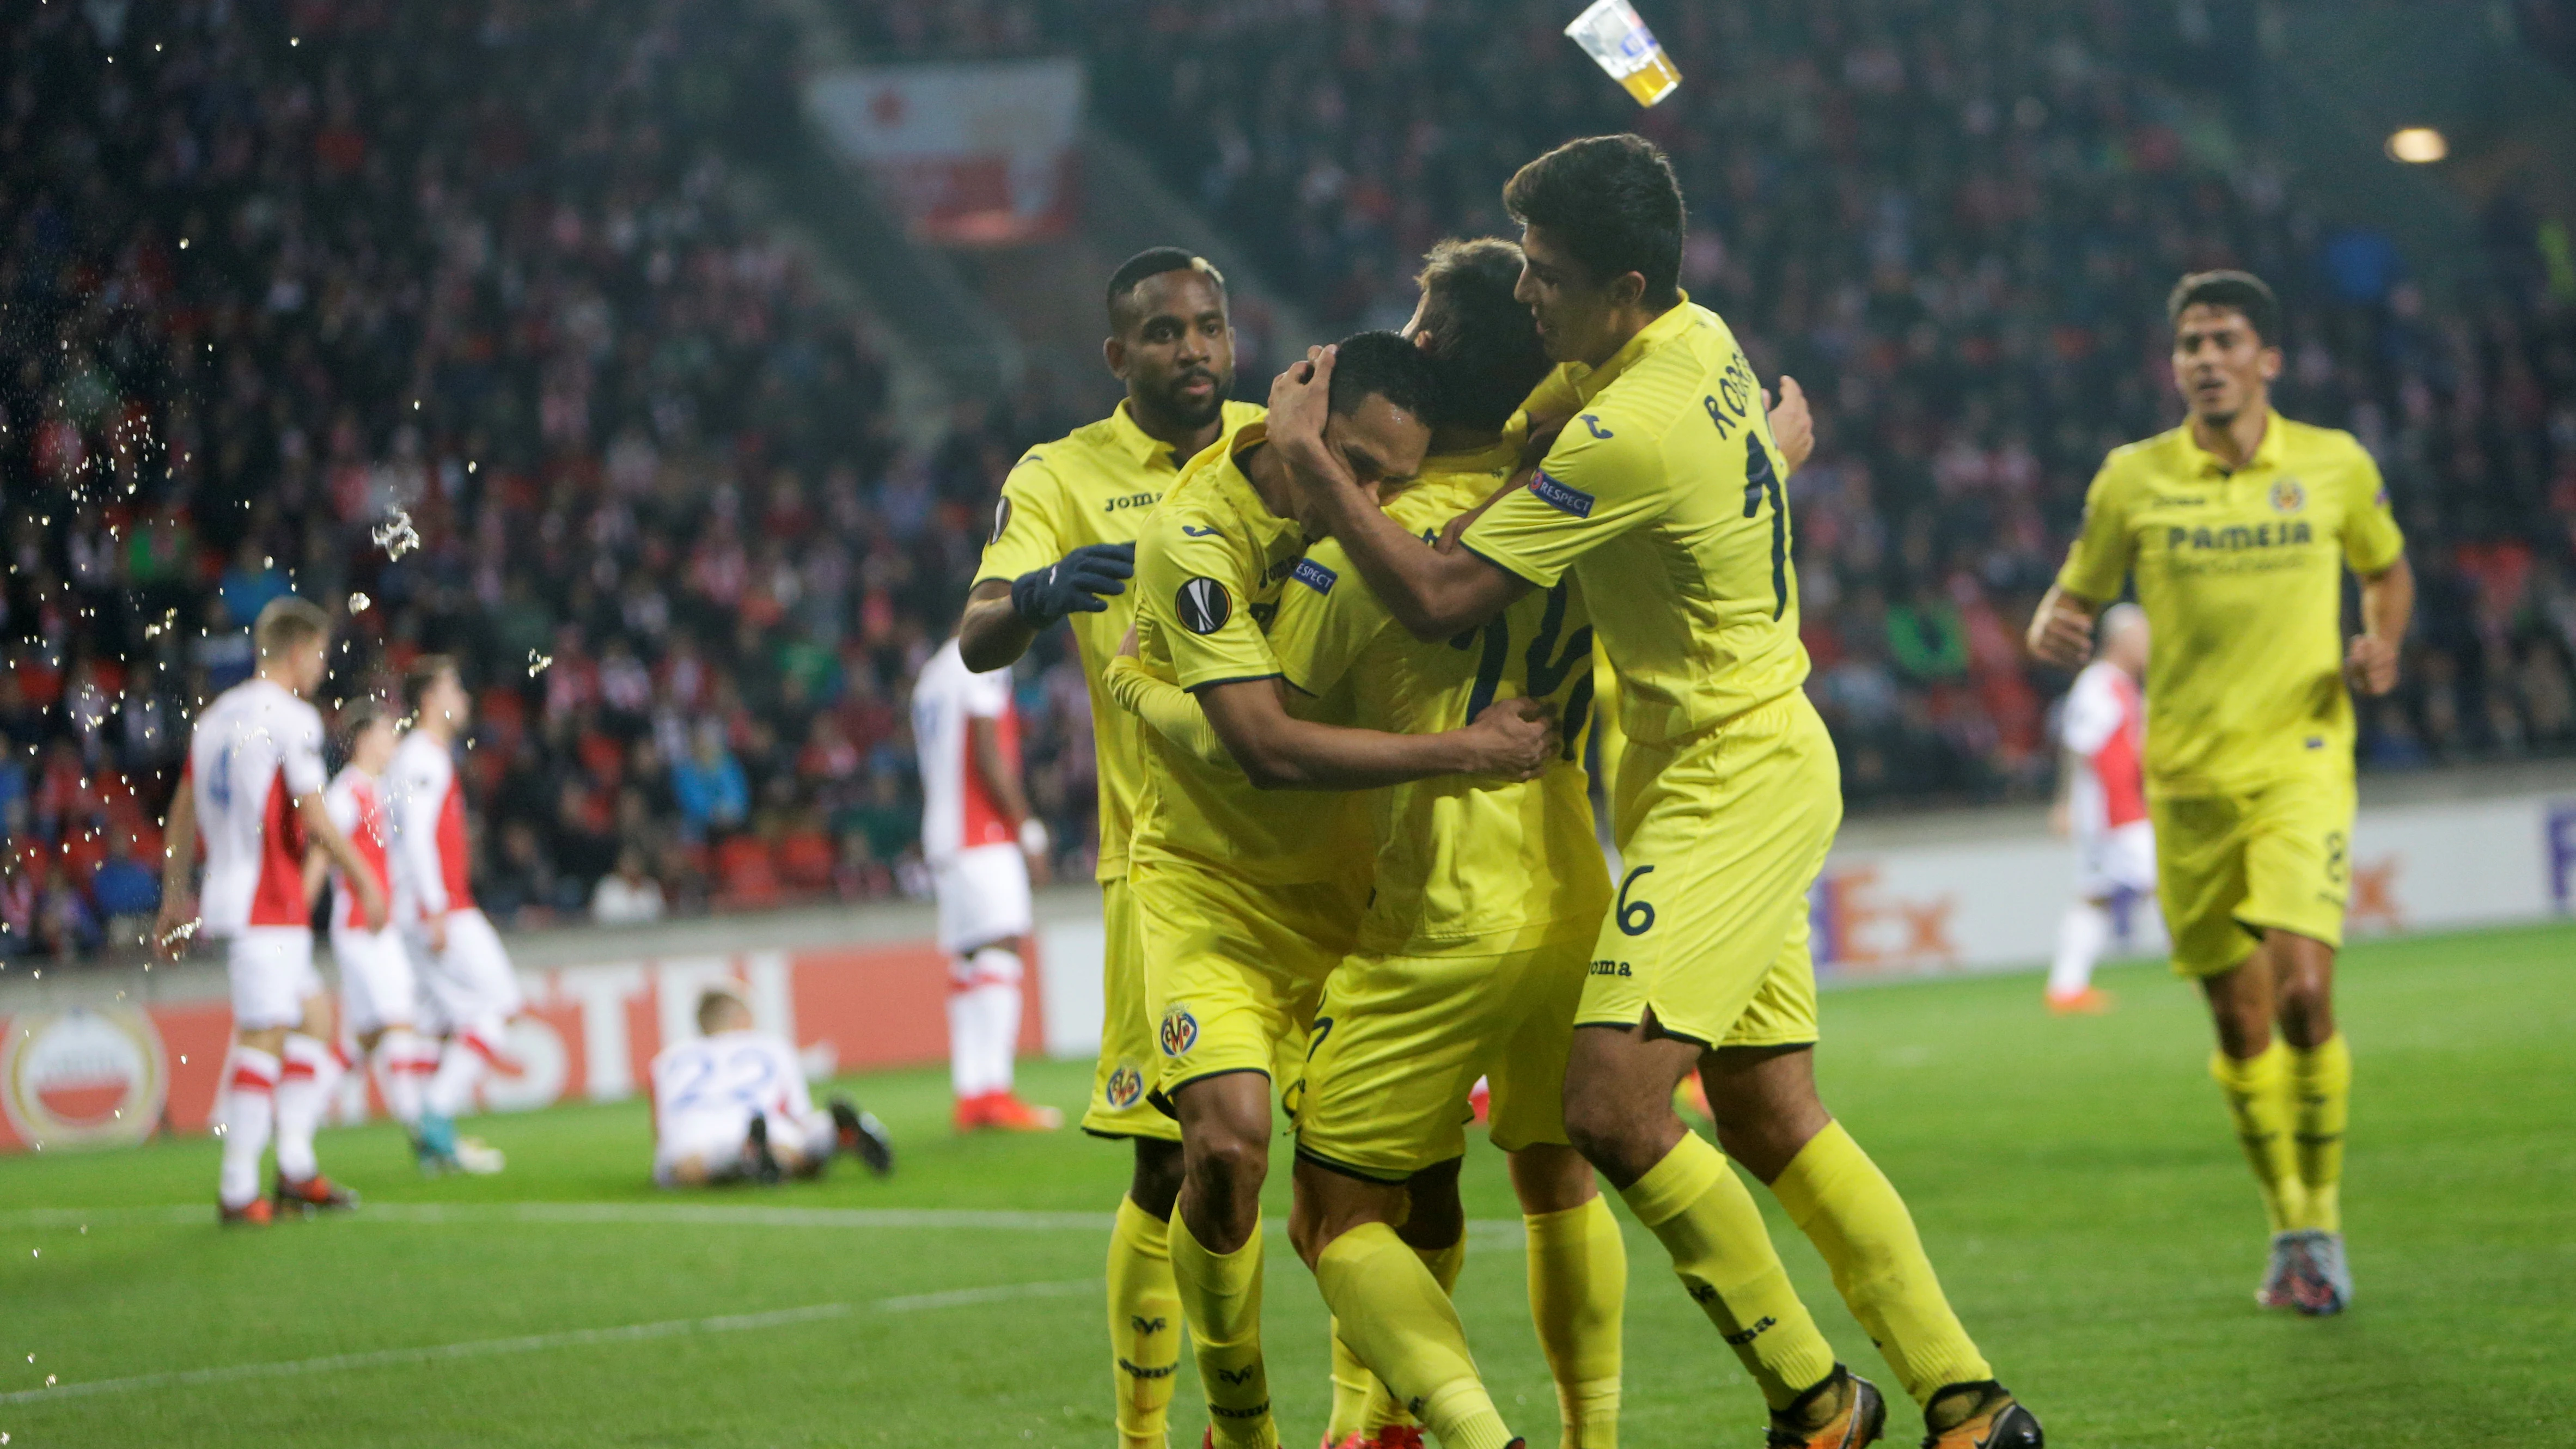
(1607, 1133)
(1229, 1163)
(1156, 1183)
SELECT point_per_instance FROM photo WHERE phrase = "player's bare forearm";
(1278, 751)
(1793, 427)
(178, 864)
(317, 868)
(992, 635)
(1001, 783)
(324, 832)
(2061, 631)
(2387, 611)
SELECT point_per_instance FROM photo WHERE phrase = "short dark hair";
(1381, 364)
(2237, 292)
(288, 623)
(1153, 262)
(423, 674)
(1615, 204)
(356, 717)
(1485, 350)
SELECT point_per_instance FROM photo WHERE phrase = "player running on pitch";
(2103, 727)
(1663, 495)
(1247, 890)
(378, 989)
(463, 969)
(252, 789)
(731, 1105)
(1063, 545)
(982, 845)
(2238, 526)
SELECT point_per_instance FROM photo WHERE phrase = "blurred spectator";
(627, 896)
(710, 786)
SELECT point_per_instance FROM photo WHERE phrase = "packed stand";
(449, 317)
(1955, 224)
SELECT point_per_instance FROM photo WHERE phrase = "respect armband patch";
(1560, 497)
(1315, 576)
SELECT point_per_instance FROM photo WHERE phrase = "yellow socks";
(2259, 1102)
(1707, 1221)
(1144, 1325)
(1578, 1290)
(1851, 1212)
(1396, 1317)
(2321, 1081)
(1220, 1297)
(1362, 1403)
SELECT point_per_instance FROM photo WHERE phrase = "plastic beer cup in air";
(1622, 45)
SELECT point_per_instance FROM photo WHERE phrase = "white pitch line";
(541, 1342)
(665, 1214)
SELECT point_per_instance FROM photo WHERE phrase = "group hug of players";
(1341, 664)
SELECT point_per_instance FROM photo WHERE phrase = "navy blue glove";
(1075, 584)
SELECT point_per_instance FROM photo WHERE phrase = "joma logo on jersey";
(1180, 1030)
(1126, 1087)
(2239, 536)
(1561, 498)
(1132, 500)
(1611, 968)
(1314, 576)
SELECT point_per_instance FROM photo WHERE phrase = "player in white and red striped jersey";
(465, 974)
(731, 1103)
(252, 790)
(378, 990)
(2103, 728)
(981, 843)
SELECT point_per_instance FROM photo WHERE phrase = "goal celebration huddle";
(1352, 675)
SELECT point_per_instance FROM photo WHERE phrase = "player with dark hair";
(1062, 547)
(1246, 899)
(2238, 526)
(1663, 494)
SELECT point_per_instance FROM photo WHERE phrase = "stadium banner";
(977, 153)
(1928, 908)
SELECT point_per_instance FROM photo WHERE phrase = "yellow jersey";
(1210, 565)
(2241, 575)
(1665, 497)
(1458, 859)
(1093, 485)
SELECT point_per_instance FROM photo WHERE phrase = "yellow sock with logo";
(1144, 1325)
(1362, 1403)
(2259, 1102)
(1851, 1212)
(2321, 1080)
(1693, 1201)
(1396, 1317)
(1578, 1292)
(1220, 1297)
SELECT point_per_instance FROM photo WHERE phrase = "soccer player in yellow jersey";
(1663, 496)
(1246, 899)
(1063, 543)
(2238, 526)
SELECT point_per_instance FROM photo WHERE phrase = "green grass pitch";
(2074, 1179)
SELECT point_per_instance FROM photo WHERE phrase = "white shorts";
(377, 988)
(983, 897)
(469, 986)
(2120, 859)
(716, 1140)
(272, 974)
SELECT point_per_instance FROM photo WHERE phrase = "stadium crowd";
(460, 320)
(1956, 224)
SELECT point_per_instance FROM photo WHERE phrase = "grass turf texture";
(2074, 1178)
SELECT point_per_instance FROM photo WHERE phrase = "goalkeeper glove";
(1075, 584)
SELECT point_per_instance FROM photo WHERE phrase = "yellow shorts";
(1720, 836)
(2229, 867)
(1234, 970)
(1128, 1060)
(1400, 1040)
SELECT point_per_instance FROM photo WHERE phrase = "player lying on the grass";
(2103, 802)
(1664, 497)
(2238, 526)
(1063, 545)
(252, 788)
(1473, 948)
(731, 1105)
(1250, 878)
(378, 991)
(463, 970)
